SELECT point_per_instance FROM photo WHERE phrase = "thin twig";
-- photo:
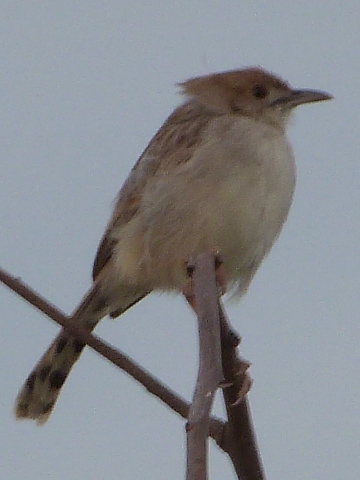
(210, 367)
(240, 434)
(151, 383)
(218, 429)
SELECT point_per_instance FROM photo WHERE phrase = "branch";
(225, 437)
(240, 436)
(151, 383)
(210, 368)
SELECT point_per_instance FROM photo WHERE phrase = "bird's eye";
(259, 91)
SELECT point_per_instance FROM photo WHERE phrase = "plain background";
(83, 87)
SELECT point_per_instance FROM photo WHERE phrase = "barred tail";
(40, 391)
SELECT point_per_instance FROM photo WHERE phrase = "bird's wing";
(170, 148)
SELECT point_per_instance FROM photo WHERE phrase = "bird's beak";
(298, 97)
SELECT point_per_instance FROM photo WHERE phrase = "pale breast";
(234, 194)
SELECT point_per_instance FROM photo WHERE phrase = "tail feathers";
(39, 393)
(41, 389)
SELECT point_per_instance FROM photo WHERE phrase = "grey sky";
(84, 86)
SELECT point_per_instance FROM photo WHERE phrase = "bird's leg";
(188, 289)
(220, 278)
(246, 382)
(220, 273)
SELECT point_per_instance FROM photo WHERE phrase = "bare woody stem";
(210, 368)
(235, 438)
(241, 439)
(151, 383)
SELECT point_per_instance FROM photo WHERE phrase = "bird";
(219, 174)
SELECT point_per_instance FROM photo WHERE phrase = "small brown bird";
(219, 173)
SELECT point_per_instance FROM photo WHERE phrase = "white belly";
(233, 195)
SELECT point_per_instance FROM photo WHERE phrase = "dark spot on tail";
(22, 410)
(78, 346)
(44, 372)
(61, 345)
(49, 406)
(30, 382)
(56, 379)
